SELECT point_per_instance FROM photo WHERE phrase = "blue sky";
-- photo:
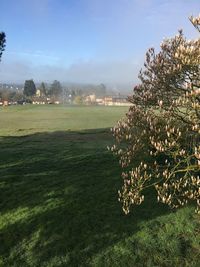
(86, 40)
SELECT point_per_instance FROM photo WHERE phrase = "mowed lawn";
(58, 197)
(27, 119)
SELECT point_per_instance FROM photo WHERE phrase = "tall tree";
(2, 43)
(43, 89)
(55, 89)
(29, 88)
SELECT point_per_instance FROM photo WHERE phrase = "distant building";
(5, 103)
(38, 102)
(107, 101)
(100, 101)
(38, 93)
(90, 99)
(116, 101)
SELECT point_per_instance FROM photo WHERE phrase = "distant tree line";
(71, 93)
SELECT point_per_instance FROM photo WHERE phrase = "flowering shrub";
(160, 134)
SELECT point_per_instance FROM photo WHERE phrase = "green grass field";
(28, 119)
(58, 197)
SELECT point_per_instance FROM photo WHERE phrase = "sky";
(87, 41)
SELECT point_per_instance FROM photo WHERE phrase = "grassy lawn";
(28, 119)
(58, 197)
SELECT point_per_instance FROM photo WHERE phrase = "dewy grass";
(58, 205)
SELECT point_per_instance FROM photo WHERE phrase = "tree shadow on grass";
(58, 199)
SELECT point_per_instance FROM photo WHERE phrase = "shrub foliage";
(162, 127)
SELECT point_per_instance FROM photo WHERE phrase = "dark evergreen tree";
(43, 89)
(29, 88)
(2, 43)
(55, 89)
